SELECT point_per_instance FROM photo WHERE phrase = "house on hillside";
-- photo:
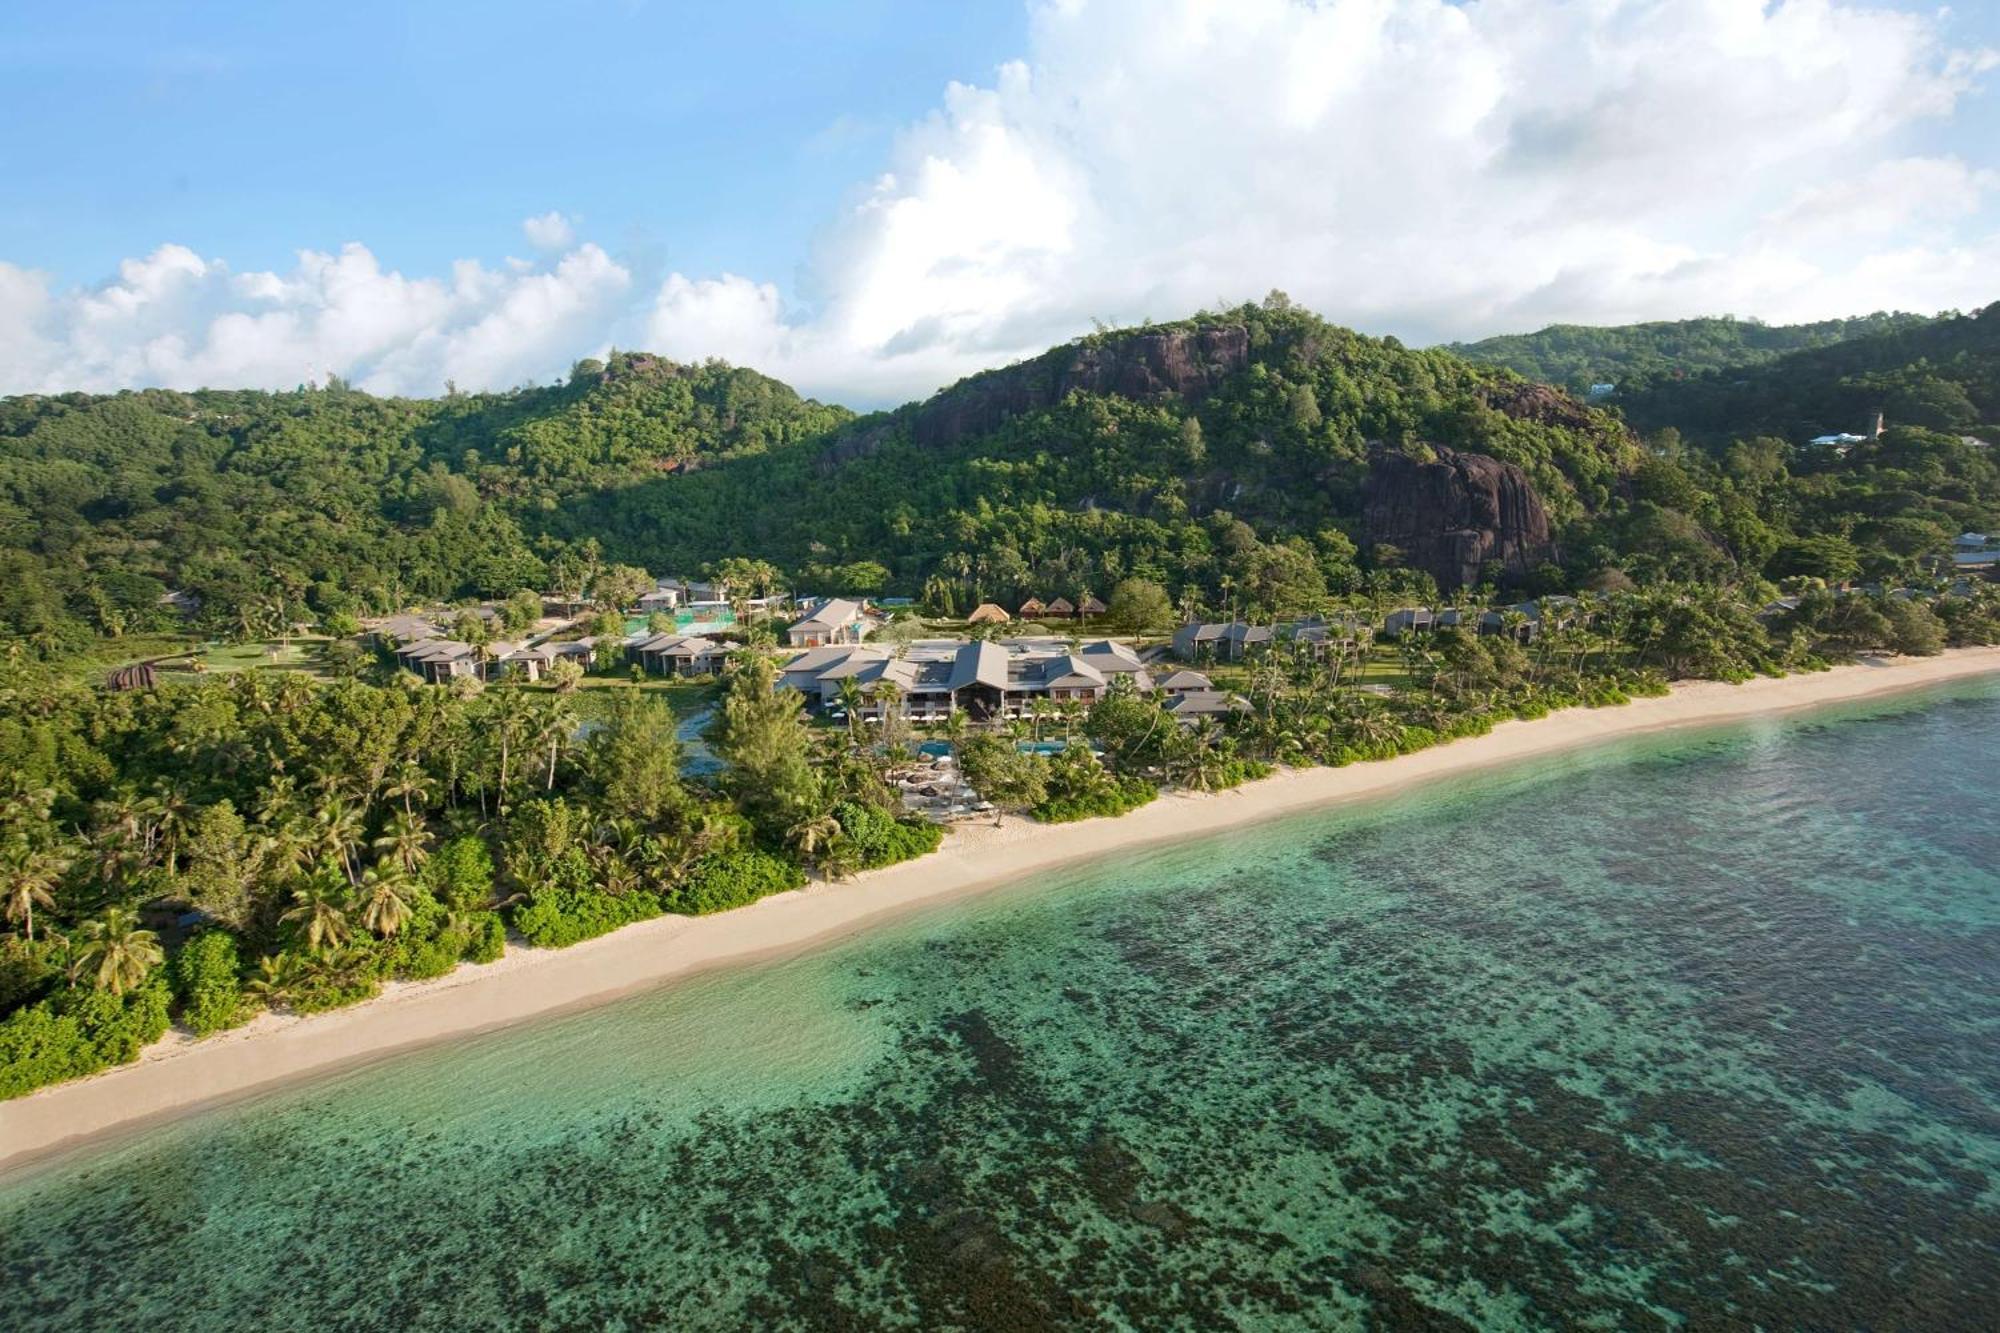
(1201, 641)
(680, 655)
(836, 620)
(1409, 620)
(440, 661)
(660, 599)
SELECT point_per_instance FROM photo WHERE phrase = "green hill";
(1630, 356)
(1941, 375)
(1257, 456)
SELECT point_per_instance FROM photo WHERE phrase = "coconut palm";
(278, 979)
(558, 725)
(851, 702)
(813, 834)
(28, 876)
(321, 903)
(841, 859)
(405, 841)
(114, 951)
(336, 833)
(408, 784)
(385, 899)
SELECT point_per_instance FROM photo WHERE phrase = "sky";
(873, 198)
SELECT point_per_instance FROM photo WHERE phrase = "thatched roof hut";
(138, 676)
(986, 613)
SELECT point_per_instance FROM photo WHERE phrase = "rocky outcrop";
(1188, 364)
(1539, 403)
(1450, 517)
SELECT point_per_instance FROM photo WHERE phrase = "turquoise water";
(1697, 1033)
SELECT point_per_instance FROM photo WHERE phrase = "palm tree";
(558, 725)
(409, 784)
(336, 833)
(29, 875)
(813, 834)
(405, 840)
(285, 847)
(321, 903)
(385, 903)
(851, 700)
(278, 979)
(840, 859)
(116, 951)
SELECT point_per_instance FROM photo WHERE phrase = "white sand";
(178, 1073)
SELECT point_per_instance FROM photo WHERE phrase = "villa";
(835, 620)
(1196, 705)
(680, 654)
(1186, 682)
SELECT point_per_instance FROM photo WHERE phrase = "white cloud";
(1432, 169)
(175, 319)
(549, 231)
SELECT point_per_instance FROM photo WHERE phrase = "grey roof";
(819, 659)
(979, 663)
(1112, 657)
(1204, 703)
(1069, 672)
(1187, 680)
(834, 613)
(680, 645)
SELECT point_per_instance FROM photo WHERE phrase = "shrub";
(1121, 796)
(489, 938)
(78, 1032)
(460, 873)
(1239, 771)
(883, 840)
(561, 915)
(730, 879)
(207, 977)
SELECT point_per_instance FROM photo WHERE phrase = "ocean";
(1698, 1031)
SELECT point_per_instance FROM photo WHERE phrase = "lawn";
(178, 650)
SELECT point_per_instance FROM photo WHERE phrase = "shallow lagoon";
(1700, 1031)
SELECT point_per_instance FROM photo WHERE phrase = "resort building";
(1201, 642)
(835, 620)
(987, 613)
(1199, 705)
(987, 681)
(680, 655)
(1186, 682)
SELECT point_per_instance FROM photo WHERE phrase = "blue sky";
(873, 198)
(708, 136)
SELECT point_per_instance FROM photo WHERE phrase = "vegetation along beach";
(1020, 665)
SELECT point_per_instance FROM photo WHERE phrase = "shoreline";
(179, 1075)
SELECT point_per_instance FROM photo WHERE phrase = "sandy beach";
(178, 1074)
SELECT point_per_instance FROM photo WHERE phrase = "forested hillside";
(1576, 356)
(1257, 455)
(276, 507)
(1229, 447)
(1942, 375)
